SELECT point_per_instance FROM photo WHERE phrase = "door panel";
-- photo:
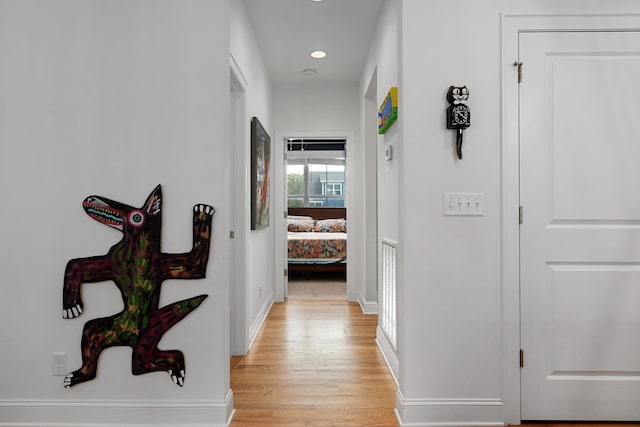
(580, 239)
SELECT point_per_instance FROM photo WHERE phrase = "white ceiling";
(288, 30)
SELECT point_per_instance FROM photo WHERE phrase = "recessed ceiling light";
(317, 0)
(318, 54)
(309, 71)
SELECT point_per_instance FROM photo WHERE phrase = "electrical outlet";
(58, 363)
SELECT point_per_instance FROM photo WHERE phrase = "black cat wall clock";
(458, 113)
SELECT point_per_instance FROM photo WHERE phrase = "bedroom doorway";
(316, 196)
(316, 218)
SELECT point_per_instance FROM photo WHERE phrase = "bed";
(317, 240)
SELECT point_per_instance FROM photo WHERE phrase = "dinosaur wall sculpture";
(138, 267)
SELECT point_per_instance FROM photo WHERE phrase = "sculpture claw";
(204, 209)
(178, 378)
(68, 381)
(72, 312)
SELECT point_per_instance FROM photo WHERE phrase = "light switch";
(388, 153)
(463, 204)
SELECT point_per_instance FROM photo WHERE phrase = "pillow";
(301, 224)
(331, 225)
(298, 217)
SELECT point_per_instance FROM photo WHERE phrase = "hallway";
(314, 363)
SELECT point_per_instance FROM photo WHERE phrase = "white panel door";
(580, 237)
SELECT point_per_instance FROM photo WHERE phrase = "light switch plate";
(388, 153)
(463, 204)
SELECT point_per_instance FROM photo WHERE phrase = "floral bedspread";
(317, 246)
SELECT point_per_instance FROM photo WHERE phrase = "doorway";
(284, 140)
(316, 218)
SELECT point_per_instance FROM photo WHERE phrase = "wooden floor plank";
(314, 363)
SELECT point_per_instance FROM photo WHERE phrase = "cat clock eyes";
(458, 113)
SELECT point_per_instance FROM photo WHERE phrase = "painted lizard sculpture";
(138, 267)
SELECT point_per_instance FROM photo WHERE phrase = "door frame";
(280, 210)
(511, 26)
(239, 219)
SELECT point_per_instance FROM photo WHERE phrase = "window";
(333, 188)
(316, 174)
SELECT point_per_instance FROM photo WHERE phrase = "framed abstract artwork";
(260, 168)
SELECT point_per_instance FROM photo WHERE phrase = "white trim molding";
(368, 307)
(239, 209)
(388, 353)
(65, 413)
(448, 412)
(255, 327)
(238, 80)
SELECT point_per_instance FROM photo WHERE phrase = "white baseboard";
(368, 307)
(66, 413)
(257, 323)
(449, 412)
(389, 354)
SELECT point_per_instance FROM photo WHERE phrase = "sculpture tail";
(168, 316)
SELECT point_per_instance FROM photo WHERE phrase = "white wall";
(383, 60)
(381, 70)
(109, 98)
(259, 261)
(451, 356)
(315, 107)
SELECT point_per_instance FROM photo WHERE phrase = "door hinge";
(286, 214)
(286, 272)
(520, 215)
(521, 358)
(232, 234)
(519, 65)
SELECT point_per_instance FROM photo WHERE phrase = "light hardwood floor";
(314, 363)
(553, 424)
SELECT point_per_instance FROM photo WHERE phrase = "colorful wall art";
(388, 111)
(138, 267)
(260, 164)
